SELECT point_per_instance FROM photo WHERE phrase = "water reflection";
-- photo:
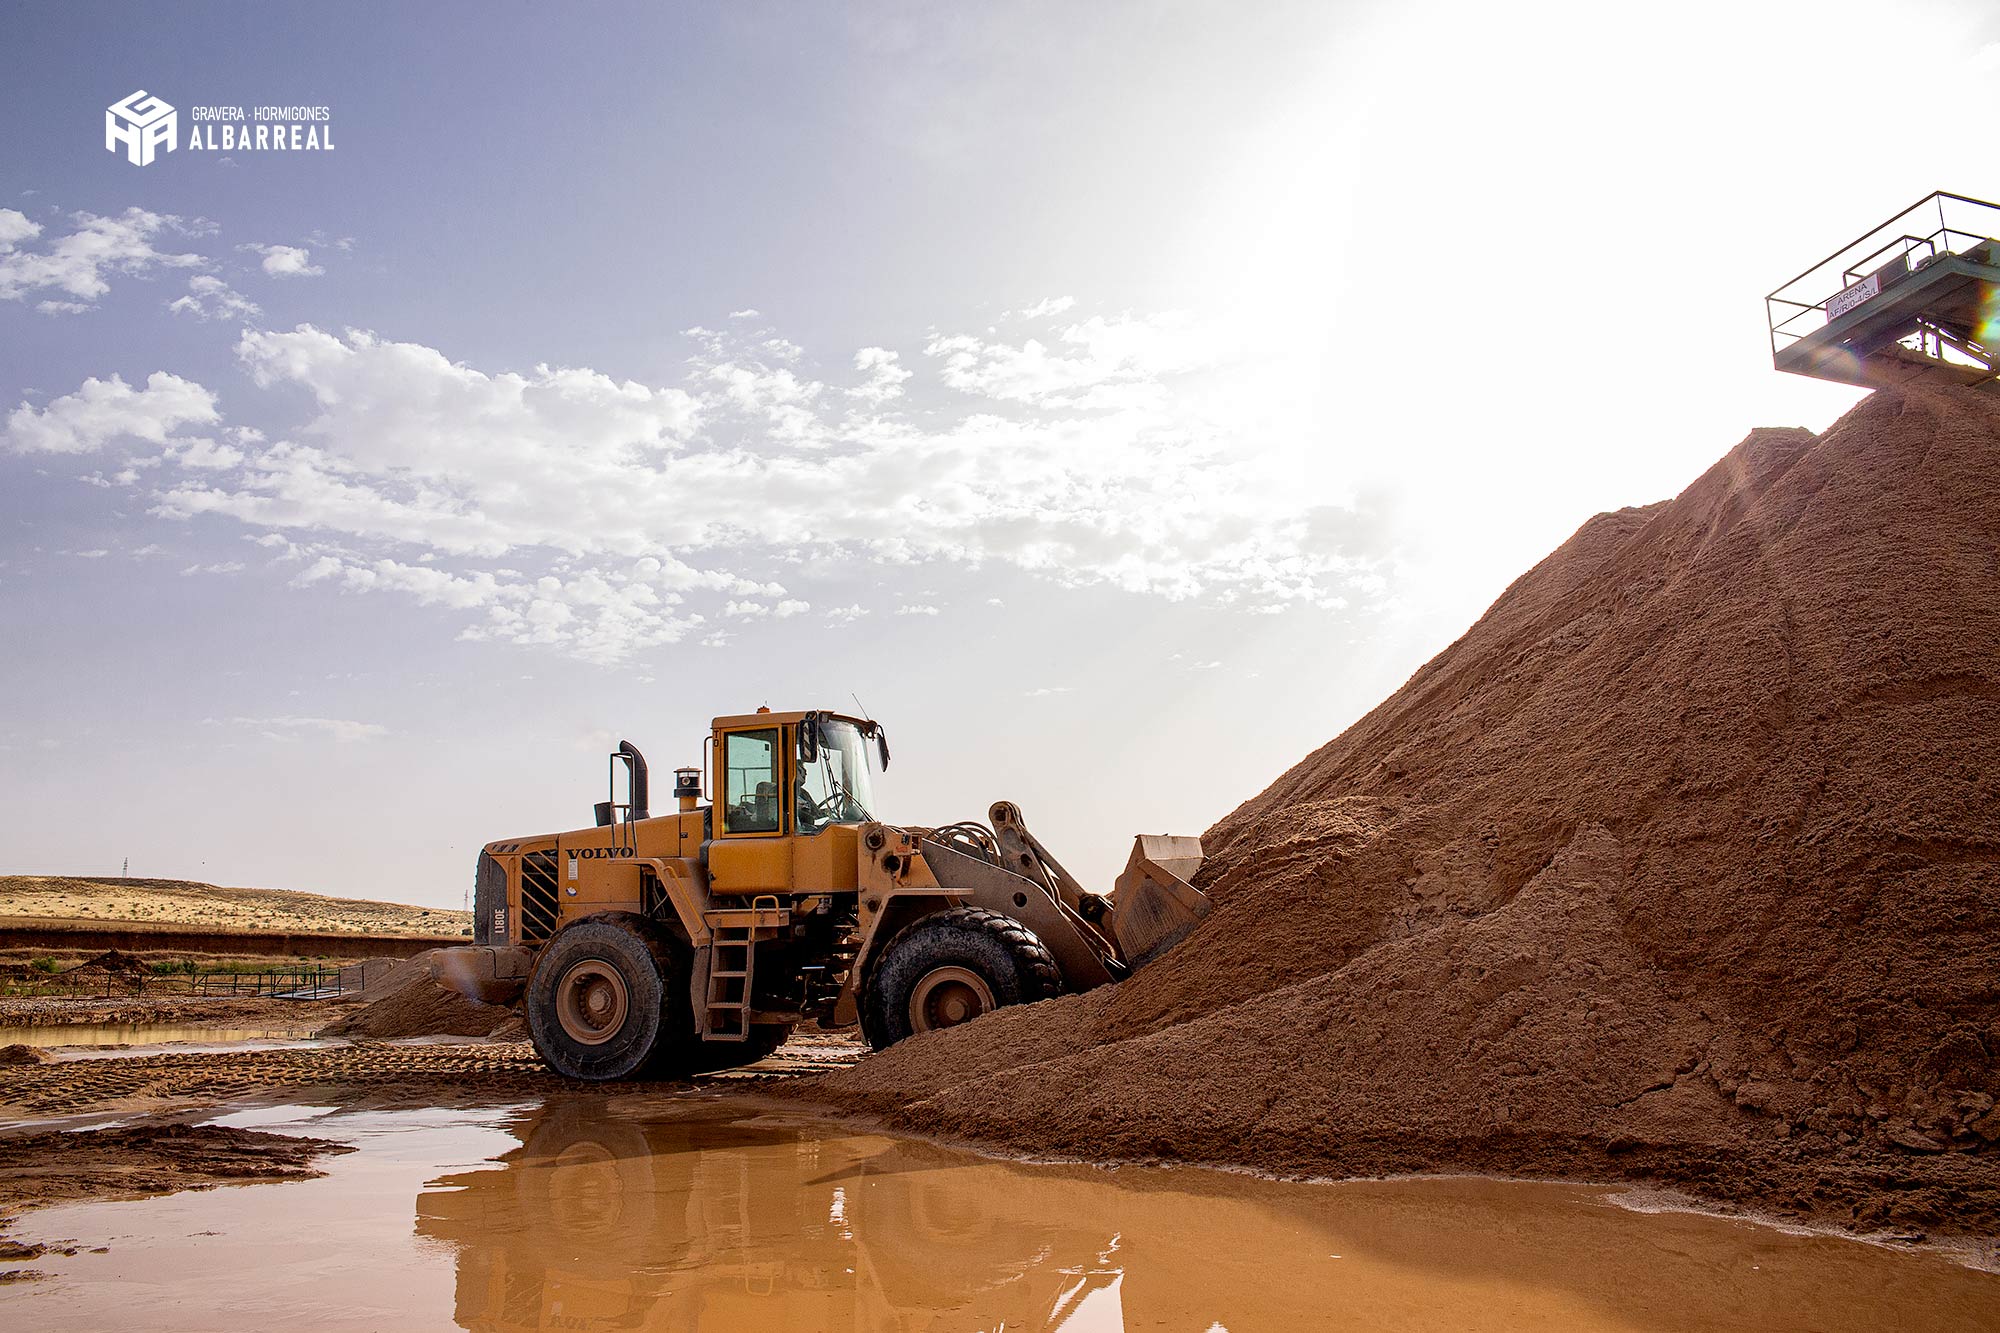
(601, 1222)
(143, 1034)
(618, 1214)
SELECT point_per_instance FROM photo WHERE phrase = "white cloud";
(15, 228)
(1044, 691)
(78, 263)
(751, 313)
(286, 261)
(63, 307)
(602, 517)
(758, 610)
(885, 376)
(204, 454)
(209, 297)
(104, 410)
(1095, 355)
(1053, 305)
(292, 728)
(598, 616)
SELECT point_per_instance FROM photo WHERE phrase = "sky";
(1116, 401)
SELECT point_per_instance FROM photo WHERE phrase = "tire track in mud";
(428, 1072)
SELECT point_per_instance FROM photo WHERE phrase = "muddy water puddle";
(95, 1036)
(640, 1212)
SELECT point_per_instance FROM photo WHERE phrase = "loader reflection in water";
(637, 1213)
(602, 1222)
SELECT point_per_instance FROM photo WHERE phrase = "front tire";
(600, 1001)
(949, 968)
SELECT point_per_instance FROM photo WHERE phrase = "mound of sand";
(20, 1054)
(414, 1000)
(1683, 863)
(112, 962)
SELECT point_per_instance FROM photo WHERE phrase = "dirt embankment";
(1682, 864)
(175, 902)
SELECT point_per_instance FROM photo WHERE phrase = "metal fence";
(302, 983)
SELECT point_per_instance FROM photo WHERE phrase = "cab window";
(750, 784)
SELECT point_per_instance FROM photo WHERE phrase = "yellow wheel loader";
(675, 943)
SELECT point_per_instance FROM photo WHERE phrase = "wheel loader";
(664, 945)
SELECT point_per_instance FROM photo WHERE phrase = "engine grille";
(538, 896)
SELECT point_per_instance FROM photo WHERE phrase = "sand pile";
(112, 962)
(415, 1000)
(1684, 862)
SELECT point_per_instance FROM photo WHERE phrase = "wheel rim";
(592, 1001)
(591, 1199)
(948, 996)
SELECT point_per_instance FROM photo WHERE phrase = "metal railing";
(95, 983)
(1939, 224)
(304, 982)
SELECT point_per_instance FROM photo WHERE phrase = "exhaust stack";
(636, 762)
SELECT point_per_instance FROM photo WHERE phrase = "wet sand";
(420, 1072)
(687, 1211)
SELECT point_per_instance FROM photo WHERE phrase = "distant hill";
(205, 906)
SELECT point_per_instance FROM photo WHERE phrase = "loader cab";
(796, 774)
(781, 783)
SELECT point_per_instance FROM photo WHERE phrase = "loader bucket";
(1154, 904)
(490, 974)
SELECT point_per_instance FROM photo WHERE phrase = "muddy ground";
(46, 1159)
(422, 1073)
(133, 1162)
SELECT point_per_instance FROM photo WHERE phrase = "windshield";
(833, 788)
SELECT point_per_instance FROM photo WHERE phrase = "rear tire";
(606, 994)
(949, 968)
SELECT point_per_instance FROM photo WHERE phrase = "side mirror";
(809, 738)
(882, 747)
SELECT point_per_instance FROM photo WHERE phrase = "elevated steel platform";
(1919, 296)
